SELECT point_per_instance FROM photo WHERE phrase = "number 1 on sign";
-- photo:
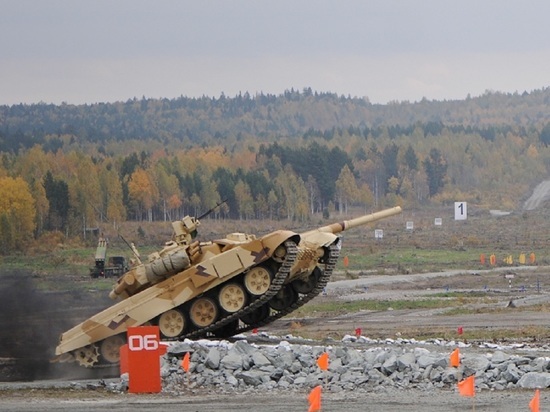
(461, 210)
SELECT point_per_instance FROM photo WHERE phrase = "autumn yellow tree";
(112, 199)
(245, 202)
(32, 165)
(346, 189)
(272, 201)
(294, 194)
(143, 193)
(169, 191)
(17, 212)
(84, 191)
(210, 196)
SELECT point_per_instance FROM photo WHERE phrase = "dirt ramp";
(541, 194)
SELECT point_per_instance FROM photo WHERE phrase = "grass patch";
(544, 307)
(533, 333)
(469, 294)
(410, 258)
(522, 334)
(344, 307)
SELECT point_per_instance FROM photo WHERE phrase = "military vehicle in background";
(114, 266)
(218, 288)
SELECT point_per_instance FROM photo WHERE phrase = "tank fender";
(277, 238)
(317, 239)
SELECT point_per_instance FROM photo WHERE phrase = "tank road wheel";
(87, 356)
(285, 297)
(171, 323)
(232, 297)
(257, 280)
(306, 285)
(110, 348)
(203, 312)
(279, 254)
(257, 315)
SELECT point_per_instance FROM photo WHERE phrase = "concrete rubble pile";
(241, 366)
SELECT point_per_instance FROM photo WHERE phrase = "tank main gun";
(359, 221)
(318, 245)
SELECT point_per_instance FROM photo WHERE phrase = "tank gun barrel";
(363, 220)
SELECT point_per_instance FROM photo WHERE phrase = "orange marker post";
(185, 362)
(534, 405)
(322, 361)
(124, 359)
(455, 358)
(144, 359)
(314, 399)
(466, 387)
(185, 365)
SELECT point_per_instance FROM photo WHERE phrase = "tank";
(193, 289)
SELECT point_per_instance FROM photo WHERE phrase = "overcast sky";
(109, 50)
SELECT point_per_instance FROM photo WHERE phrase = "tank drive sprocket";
(87, 356)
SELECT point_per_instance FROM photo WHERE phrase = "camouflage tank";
(193, 289)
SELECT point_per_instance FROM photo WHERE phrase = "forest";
(68, 168)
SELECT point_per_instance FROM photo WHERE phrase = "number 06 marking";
(146, 342)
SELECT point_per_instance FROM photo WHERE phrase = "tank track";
(334, 253)
(276, 284)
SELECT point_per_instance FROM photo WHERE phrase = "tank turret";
(217, 288)
(175, 257)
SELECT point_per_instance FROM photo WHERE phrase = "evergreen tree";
(436, 171)
(545, 135)
(57, 193)
(7, 241)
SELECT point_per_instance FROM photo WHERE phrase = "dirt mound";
(540, 195)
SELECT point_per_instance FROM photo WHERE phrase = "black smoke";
(31, 321)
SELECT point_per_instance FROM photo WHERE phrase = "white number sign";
(146, 342)
(461, 210)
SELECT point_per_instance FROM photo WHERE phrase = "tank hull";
(142, 307)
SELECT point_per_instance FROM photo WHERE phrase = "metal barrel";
(363, 220)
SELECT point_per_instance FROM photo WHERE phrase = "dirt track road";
(388, 401)
(530, 286)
